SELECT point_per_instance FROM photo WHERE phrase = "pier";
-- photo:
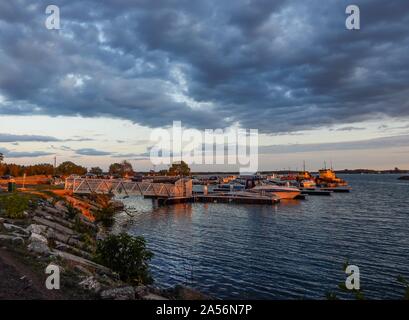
(165, 193)
(315, 192)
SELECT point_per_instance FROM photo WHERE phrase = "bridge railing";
(181, 188)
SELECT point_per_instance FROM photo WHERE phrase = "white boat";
(251, 195)
(282, 192)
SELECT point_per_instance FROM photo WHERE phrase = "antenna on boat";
(325, 165)
(303, 165)
(331, 165)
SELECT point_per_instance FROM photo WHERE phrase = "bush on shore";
(14, 205)
(105, 213)
(126, 255)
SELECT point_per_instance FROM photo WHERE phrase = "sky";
(93, 91)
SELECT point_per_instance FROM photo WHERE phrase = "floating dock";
(316, 192)
(219, 198)
(337, 189)
(174, 200)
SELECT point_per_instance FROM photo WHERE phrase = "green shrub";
(14, 205)
(126, 255)
(105, 215)
(72, 212)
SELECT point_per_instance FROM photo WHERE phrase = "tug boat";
(328, 179)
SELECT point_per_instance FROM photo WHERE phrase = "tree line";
(16, 170)
(66, 168)
(122, 169)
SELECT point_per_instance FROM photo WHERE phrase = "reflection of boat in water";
(281, 192)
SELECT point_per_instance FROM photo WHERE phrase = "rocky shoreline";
(50, 234)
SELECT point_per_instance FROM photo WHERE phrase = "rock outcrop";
(51, 232)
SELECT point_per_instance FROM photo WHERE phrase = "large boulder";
(36, 228)
(35, 237)
(54, 225)
(82, 261)
(39, 247)
(12, 238)
(12, 227)
(54, 218)
(38, 244)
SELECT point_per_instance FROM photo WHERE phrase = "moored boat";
(328, 179)
(284, 193)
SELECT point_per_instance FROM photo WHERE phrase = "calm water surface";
(293, 250)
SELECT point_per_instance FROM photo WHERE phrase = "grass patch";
(13, 205)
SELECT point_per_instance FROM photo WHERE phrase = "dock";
(216, 198)
(316, 192)
(337, 189)
(225, 198)
(180, 191)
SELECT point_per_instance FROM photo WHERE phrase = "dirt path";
(19, 281)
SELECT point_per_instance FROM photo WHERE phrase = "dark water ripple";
(293, 250)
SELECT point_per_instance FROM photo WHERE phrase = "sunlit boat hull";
(284, 193)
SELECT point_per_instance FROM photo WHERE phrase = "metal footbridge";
(181, 188)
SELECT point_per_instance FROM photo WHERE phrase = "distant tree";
(121, 169)
(179, 169)
(14, 170)
(67, 168)
(96, 170)
(115, 169)
(1, 157)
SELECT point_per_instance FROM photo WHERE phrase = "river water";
(293, 250)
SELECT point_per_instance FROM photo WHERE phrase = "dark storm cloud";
(5, 137)
(279, 66)
(377, 143)
(10, 138)
(91, 152)
(23, 154)
(350, 128)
